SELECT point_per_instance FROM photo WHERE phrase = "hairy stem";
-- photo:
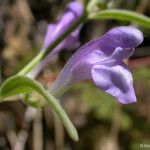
(43, 54)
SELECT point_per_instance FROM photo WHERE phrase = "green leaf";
(13, 86)
(124, 15)
(20, 84)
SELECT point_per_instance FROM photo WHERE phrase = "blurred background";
(102, 123)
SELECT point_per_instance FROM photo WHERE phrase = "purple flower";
(101, 61)
(73, 12)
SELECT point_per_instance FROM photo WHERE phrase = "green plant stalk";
(43, 54)
(124, 15)
(21, 85)
(61, 114)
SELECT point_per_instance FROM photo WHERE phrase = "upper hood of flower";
(75, 7)
(126, 37)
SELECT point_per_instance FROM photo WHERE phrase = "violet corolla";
(73, 11)
(102, 61)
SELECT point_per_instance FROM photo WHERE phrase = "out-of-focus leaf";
(142, 74)
(124, 15)
(125, 121)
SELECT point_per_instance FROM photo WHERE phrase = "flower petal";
(115, 79)
(76, 7)
(126, 37)
(120, 54)
(70, 42)
(49, 32)
(73, 12)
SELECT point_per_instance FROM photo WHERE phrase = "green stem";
(19, 84)
(62, 115)
(43, 54)
(124, 15)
